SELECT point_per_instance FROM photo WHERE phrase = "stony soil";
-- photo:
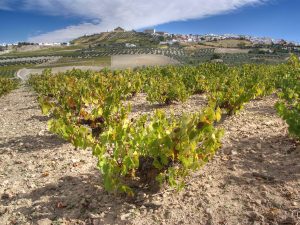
(254, 178)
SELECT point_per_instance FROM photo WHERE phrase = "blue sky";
(53, 20)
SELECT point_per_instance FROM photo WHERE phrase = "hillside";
(230, 43)
(117, 38)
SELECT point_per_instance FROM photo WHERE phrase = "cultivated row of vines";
(88, 110)
(289, 105)
(7, 85)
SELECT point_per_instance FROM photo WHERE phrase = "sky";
(64, 20)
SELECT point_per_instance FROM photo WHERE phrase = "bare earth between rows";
(254, 178)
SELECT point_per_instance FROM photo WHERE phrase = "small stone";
(3, 210)
(94, 216)
(189, 194)
(141, 196)
(208, 211)
(294, 203)
(41, 133)
(208, 195)
(289, 221)
(154, 204)
(264, 193)
(125, 216)
(263, 188)
(254, 216)
(27, 145)
(31, 185)
(227, 151)
(168, 214)
(233, 152)
(233, 168)
(268, 123)
(31, 167)
(18, 162)
(258, 145)
(274, 146)
(6, 196)
(74, 160)
(44, 222)
(258, 202)
(232, 129)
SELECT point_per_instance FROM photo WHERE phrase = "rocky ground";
(254, 178)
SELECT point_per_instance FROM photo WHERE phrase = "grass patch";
(10, 71)
(52, 51)
(229, 43)
(69, 61)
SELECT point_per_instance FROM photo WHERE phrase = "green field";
(69, 61)
(230, 43)
(10, 71)
(52, 51)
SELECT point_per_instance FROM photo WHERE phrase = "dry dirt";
(254, 178)
(131, 61)
(231, 50)
(194, 47)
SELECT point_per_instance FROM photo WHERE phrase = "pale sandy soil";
(131, 61)
(231, 50)
(254, 178)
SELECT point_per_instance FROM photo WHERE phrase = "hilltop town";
(167, 38)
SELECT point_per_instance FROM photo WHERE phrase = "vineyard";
(91, 111)
(10, 71)
(22, 61)
(175, 53)
(7, 85)
(7, 80)
(181, 55)
(101, 54)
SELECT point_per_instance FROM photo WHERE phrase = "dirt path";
(254, 179)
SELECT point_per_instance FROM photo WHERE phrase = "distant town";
(170, 39)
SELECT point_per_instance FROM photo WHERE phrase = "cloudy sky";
(63, 20)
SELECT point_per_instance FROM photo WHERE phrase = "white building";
(128, 45)
(49, 44)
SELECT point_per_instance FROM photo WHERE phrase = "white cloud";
(130, 14)
(4, 5)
